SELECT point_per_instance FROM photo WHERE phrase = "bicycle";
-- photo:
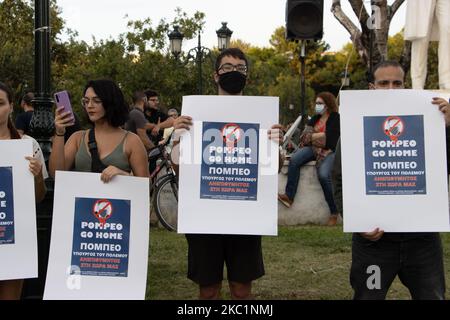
(164, 188)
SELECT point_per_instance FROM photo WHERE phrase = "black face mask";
(232, 82)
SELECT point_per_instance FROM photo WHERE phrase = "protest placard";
(100, 235)
(228, 166)
(394, 170)
(18, 238)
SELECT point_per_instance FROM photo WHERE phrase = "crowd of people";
(119, 141)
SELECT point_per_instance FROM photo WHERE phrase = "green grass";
(304, 262)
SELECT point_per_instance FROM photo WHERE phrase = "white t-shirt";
(37, 153)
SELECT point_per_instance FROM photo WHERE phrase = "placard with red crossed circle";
(101, 234)
(6, 206)
(393, 127)
(394, 149)
(230, 172)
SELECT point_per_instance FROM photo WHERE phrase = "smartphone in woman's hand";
(62, 100)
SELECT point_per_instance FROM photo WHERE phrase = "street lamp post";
(176, 39)
(303, 82)
(42, 121)
(199, 53)
(42, 127)
(224, 36)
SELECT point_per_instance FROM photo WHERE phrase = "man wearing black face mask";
(207, 253)
(231, 78)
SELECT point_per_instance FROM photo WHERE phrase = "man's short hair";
(385, 64)
(151, 93)
(28, 98)
(233, 52)
(138, 96)
(172, 111)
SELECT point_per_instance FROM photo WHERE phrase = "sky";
(252, 21)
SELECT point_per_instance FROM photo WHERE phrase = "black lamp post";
(224, 37)
(176, 39)
(303, 82)
(199, 53)
(42, 121)
(42, 127)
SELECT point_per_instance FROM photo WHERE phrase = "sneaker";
(332, 220)
(284, 199)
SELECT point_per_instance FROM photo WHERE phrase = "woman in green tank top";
(121, 152)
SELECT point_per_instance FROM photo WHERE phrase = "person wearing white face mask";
(320, 107)
(317, 142)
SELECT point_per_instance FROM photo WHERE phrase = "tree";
(396, 47)
(278, 70)
(137, 59)
(372, 36)
(17, 42)
(154, 66)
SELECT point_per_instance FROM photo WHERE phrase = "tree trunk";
(381, 28)
(405, 60)
(370, 40)
(355, 33)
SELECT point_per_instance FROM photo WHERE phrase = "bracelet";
(60, 135)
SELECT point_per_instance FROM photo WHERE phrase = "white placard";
(18, 237)
(394, 169)
(244, 202)
(117, 215)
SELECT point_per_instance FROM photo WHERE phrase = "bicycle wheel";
(162, 172)
(166, 201)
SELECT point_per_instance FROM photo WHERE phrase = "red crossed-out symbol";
(393, 127)
(231, 133)
(102, 210)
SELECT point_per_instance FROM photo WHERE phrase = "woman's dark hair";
(330, 101)
(113, 101)
(12, 129)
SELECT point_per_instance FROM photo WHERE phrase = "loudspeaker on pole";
(304, 19)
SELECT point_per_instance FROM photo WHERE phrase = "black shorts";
(207, 254)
